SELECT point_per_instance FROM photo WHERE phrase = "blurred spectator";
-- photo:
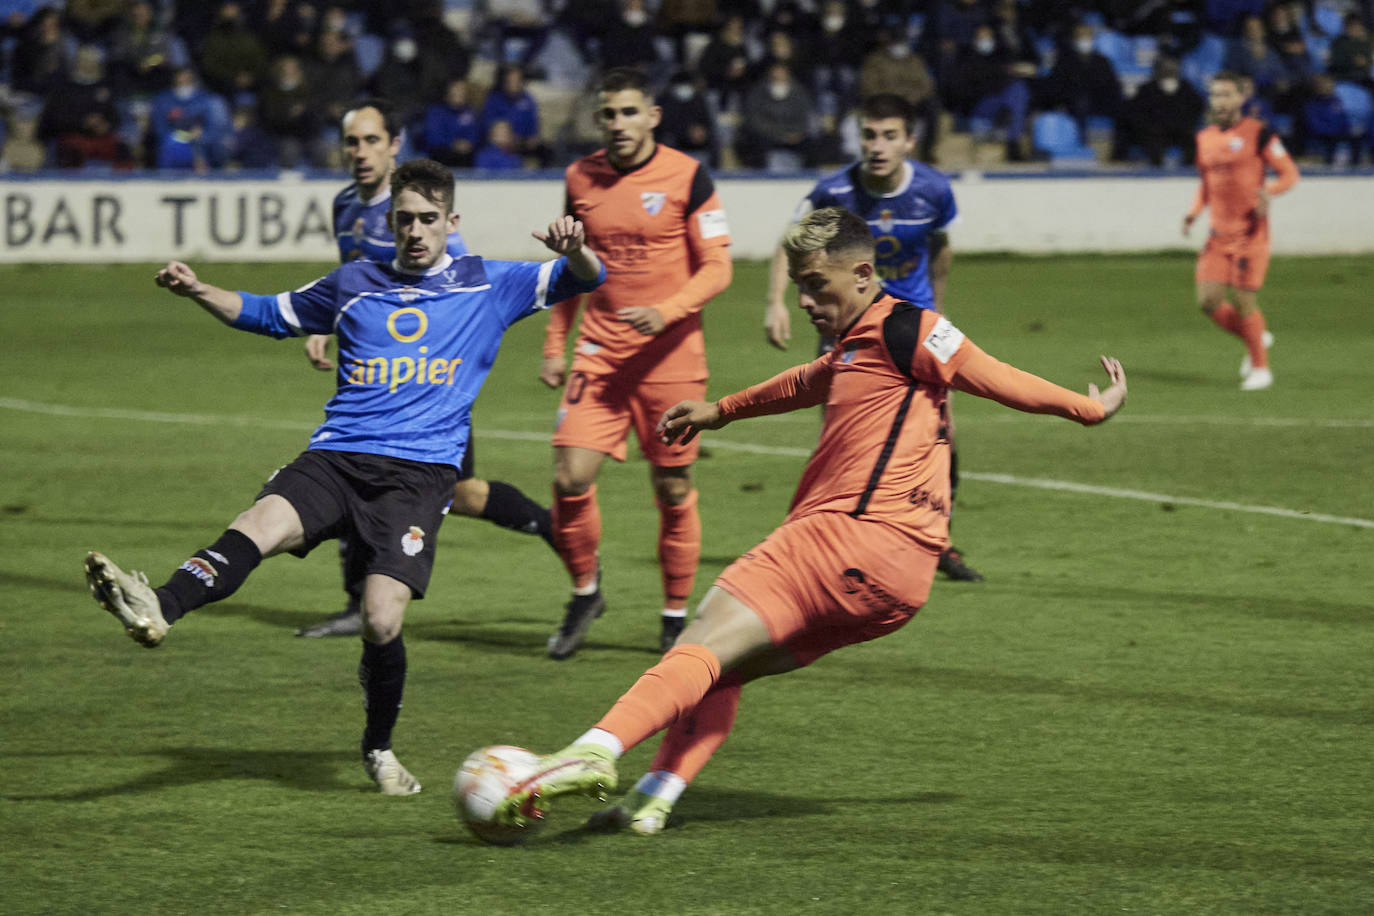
(189, 126)
(143, 51)
(500, 150)
(1326, 126)
(585, 23)
(894, 67)
(1177, 24)
(1288, 43)
(1166, 111)
(233, 60)
(509, 101)
(1351, 52)
(837, 54)
(79, 117)
(952, 33)
(781, 48)
(1014, 35)
(410, 80)
(790, 18)
(437, 40)
(285, 26)
(41, 59)
(525, 22)
(251, 147)
(681, 19)
(629, 40)
(1083, 82)
(1250, 55)
(775, 119)
(987, 88)
(93, 20)
(451, 132)
(687, 122)
(334, 76)
(1227, 17)
(286, 112)
(724, 63)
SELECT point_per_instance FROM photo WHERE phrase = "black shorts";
(389, 508)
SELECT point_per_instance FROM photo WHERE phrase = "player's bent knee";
(470, 497)
(672, 486)
(568, 484)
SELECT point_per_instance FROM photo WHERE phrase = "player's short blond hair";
(829, 229)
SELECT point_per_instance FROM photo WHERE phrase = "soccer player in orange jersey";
(856, 555)
(1232, 153)
(653, 215)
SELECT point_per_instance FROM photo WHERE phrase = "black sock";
(353, 565)
(212, 574)
(382, 674)
(953, 472)
(509, 508)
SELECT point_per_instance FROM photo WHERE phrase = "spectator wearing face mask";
(79, 116)
(1083, 82)
(987, 87)
(451, 132)
(233, 60)
(687, 123)
(838, 53)
(189, 126)
(407, 77)
(286, 112)
(1165, 112)
(509, 101)
(776, 119)
(629, 41)
(894, 67)
(724, 63)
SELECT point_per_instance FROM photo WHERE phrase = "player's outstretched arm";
(986, 377)
(181, 280)
(684, 420)
(777, 323)
(568, 237)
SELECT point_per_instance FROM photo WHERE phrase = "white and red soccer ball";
(487, 777)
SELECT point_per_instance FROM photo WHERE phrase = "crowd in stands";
(764, 84)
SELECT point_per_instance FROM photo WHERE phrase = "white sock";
(602, 738)
(661, 784)
(583, 591)
(679, 612)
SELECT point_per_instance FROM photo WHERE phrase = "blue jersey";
(361, 229)
(414, 348)
(901, 223)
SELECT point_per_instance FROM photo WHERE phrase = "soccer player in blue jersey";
(371, 139)
(908, 206)
(417, 337)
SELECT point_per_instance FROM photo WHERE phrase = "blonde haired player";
(1232, 153)
(856, 555)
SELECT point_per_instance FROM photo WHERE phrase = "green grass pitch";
(1161, 700)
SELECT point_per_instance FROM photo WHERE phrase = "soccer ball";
(483, 781)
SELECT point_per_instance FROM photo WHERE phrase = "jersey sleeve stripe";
(886, 454)
(702, 189)
(541, 285)
(288, 312)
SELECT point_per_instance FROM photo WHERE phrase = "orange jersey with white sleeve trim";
(1231, 163)
(883, 453)
(661, 231)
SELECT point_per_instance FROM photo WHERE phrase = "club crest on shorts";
(413, 541)
(653, 201)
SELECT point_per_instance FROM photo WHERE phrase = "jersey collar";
(907, 173)
(443, 264)
(383, 193)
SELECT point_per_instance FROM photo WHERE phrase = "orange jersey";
(883, 454)
(1231, 163)
(661, 231)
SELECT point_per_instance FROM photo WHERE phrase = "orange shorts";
(1240, 262)
(597, 410)
(825, 581)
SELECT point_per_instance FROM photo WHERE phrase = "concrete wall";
(116, 220)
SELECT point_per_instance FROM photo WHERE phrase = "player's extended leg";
(1254, 370)
(577, 537)
(725, 634)
(502, 504)
(382, 674)
(679, 546)
(214, 573)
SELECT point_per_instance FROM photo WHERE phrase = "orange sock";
(1252, 332)
(693, 738)
(577, 534)
(1226, 318)
(679, 549)
(662, 694)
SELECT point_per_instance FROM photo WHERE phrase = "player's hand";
(554, 371)
(777, 324)
(566, 236)
(1115, 394)
(1188, 223)
(176, 277)
(317, 351)
(1262, 204)
(645, 319)
(681, 422)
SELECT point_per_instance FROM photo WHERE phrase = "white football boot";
(1257, 380)
(128, 597)
(1245, 364)
(386, 771)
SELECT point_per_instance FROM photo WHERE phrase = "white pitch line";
(1063, 486)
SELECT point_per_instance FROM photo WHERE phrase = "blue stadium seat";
(1056, 135)
(1358, 105)
(369, 49)
(1120, 50)
(1328, 19)
(1318, 50)
(1199, 64)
